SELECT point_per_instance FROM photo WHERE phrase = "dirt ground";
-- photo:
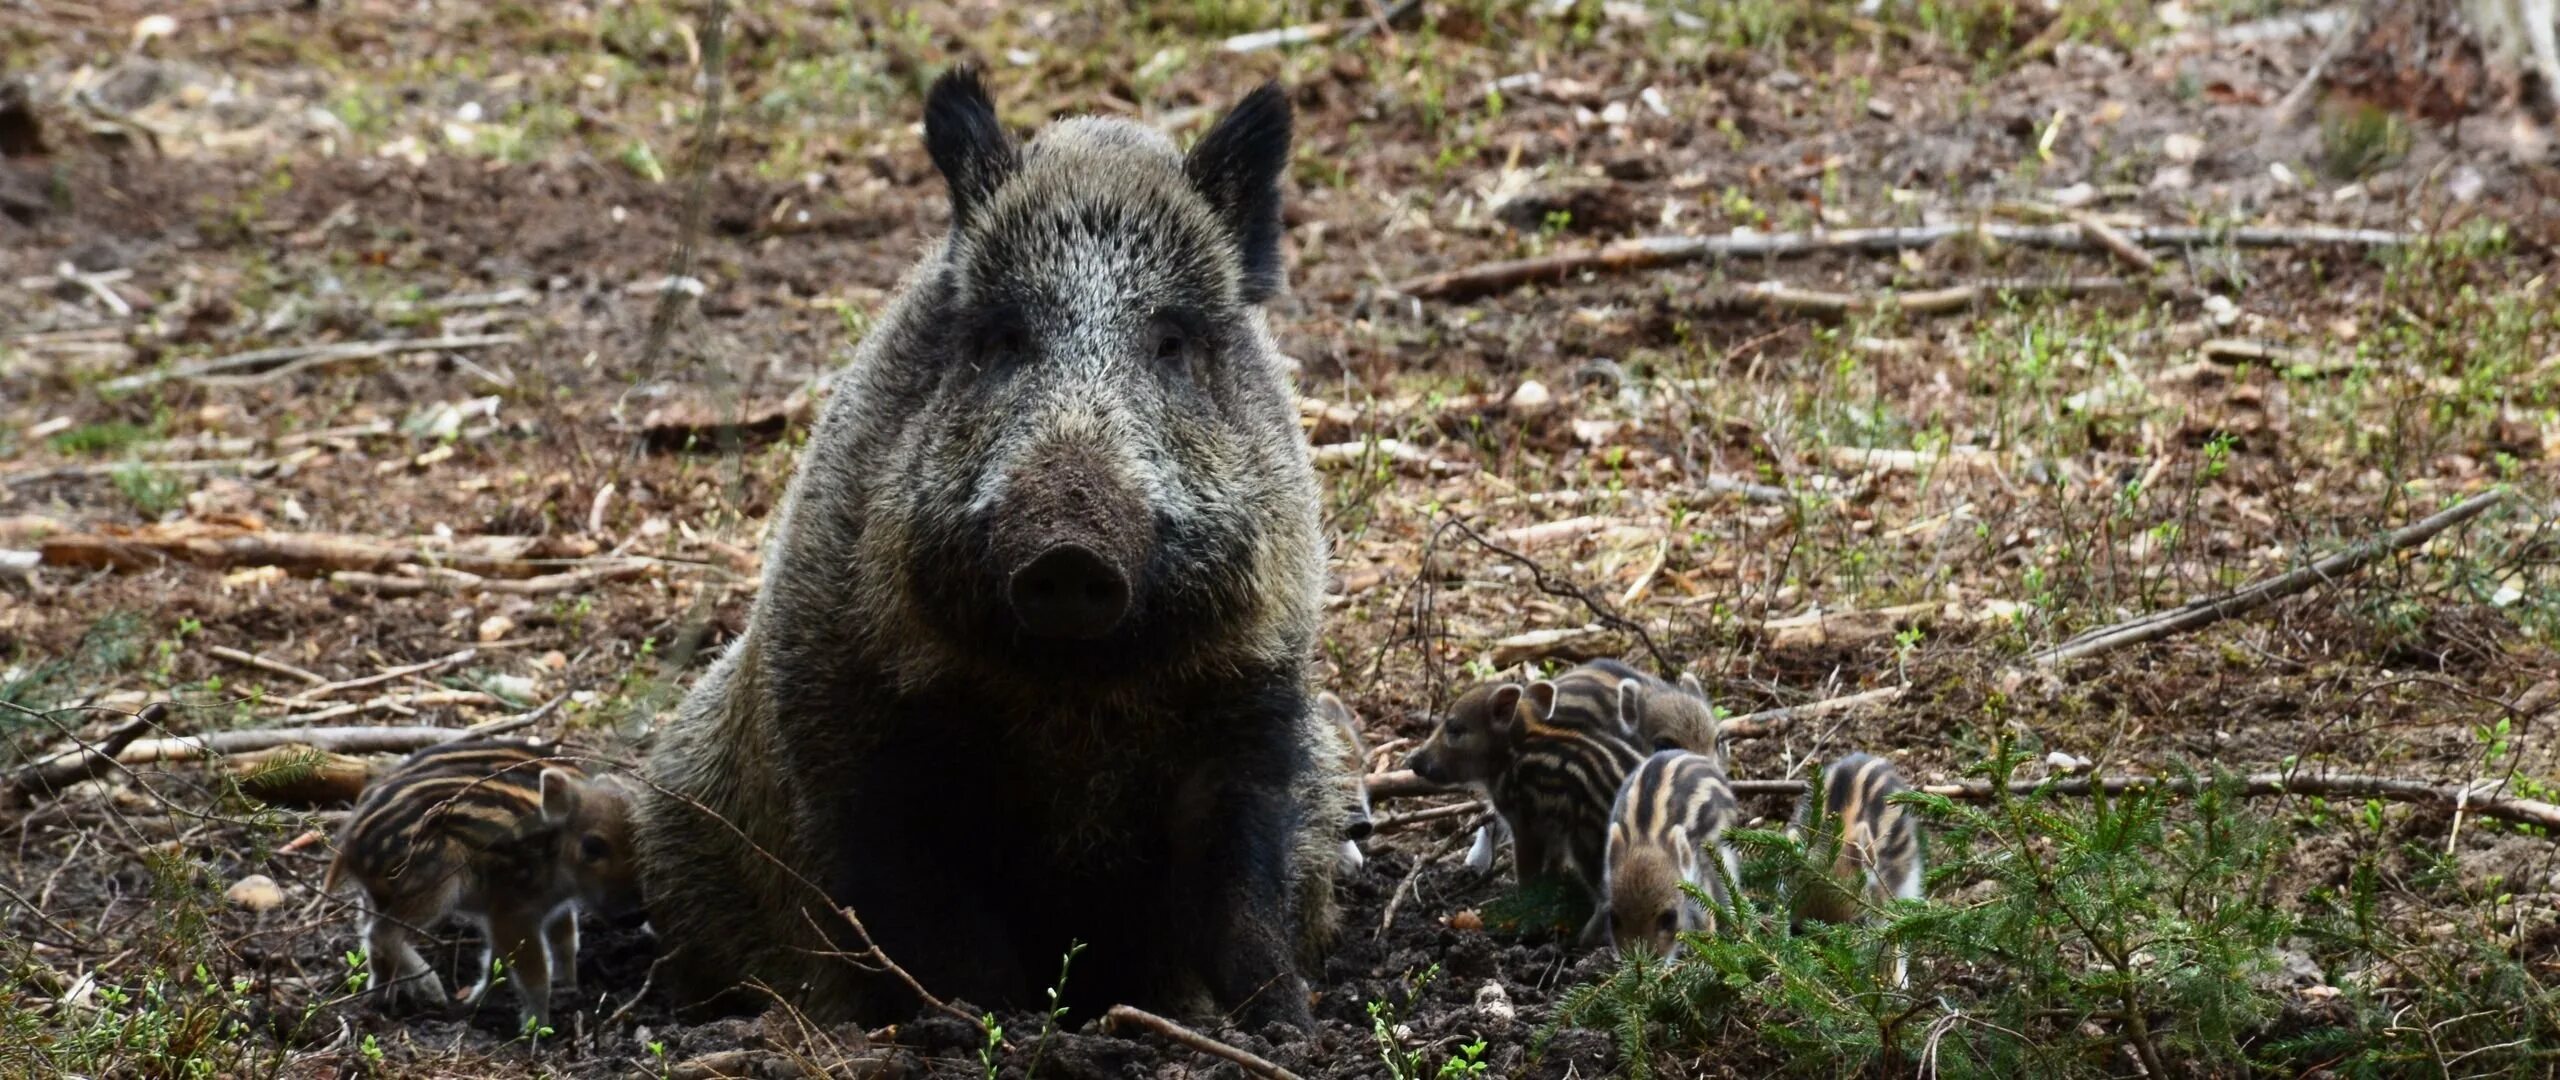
(512, 179)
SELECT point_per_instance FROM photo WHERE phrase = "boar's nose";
(1069, 591)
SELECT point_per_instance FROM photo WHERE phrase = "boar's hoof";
(1069, 592)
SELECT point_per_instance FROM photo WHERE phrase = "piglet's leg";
(393, 966)
(516, 937)
(560, 938)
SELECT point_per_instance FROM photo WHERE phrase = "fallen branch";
(2476, 797)
(81, 764)
(243, 466)
(336, 740)
(259, 360)
(221, 546)
(1654, 251)
(1944, 301)
(298, 774)
(2204, 612)
(1121, 1017)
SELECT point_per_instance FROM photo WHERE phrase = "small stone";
(2182, 148)
(1494, 1004)
(2076, 196)
(2173, 178)
(496, 628)
(257, 892)
(555, 660)
(1531, 398)
(2221, 309)
(1880, 108)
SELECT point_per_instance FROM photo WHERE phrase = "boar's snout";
(1069, 591)
(1071, 537)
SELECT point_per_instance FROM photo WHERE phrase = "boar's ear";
(1236, 166)
(967, 142)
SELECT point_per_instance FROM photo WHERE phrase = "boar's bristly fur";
(1029, 661)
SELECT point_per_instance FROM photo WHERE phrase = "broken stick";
(1123, 1016)
(79, 764)
(1653, 251)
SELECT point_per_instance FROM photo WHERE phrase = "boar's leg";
(1234, 827)
(915, 862)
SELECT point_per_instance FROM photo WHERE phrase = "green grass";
(2077, 937)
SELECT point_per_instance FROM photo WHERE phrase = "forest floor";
(1798, 475)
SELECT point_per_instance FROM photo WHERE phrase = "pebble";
(1494, 1004)
(257, 892)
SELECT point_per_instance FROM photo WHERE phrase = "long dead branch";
(1653, 251)
(2197, 613)
(1122, 1016)
(79, 764)
(257, 360)
(336, 740)
(2477, 797)
(1788, 299)
(225, 546)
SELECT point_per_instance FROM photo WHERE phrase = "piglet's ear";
(1542, 697)
(1237, 167)
(968, 143)
(561, 794)
(1502, 710)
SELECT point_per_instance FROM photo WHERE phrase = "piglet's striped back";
(444, 805)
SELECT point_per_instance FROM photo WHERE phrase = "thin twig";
(225, 652)
(2204, 612)
(1123, 1016)
(258, 360)
(2470, 797)
(1397, 822)
(1654, 251)
(440, 663)
(430, 699)
(2116, 243)
(1601, 611)
(1413, 877)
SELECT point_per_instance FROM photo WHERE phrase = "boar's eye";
(1172, 344)
(594, 849)
(1668, 923)
(1001, 337)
